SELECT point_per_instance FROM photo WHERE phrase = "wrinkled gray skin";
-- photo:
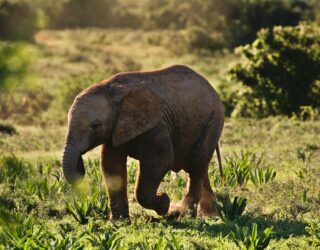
(170, 119)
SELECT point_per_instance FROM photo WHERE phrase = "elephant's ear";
(139, 108)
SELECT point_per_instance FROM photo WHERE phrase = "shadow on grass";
(282, 229)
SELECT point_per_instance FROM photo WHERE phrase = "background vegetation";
(262, 56)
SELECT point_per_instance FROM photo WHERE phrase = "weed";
(105, 241)
(43, 189)
(240, 167)
(81, 209)
(230, 210)
(251, 240)
(260, 176)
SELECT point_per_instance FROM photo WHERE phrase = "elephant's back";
(192, 103)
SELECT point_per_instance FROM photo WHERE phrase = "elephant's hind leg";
(199, 190)
(207, 201)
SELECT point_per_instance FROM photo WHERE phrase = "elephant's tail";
(220, 163)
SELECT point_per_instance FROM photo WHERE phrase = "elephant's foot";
(207, 205)
(181, 209)
(207, 209)
(119, 212)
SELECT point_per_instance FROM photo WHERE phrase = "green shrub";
(281, 69)
(18, 20)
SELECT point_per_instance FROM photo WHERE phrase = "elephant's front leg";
(114, 171)
(151, 173)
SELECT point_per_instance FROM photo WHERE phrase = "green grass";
(287, 203)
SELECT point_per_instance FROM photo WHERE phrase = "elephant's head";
(107, 114)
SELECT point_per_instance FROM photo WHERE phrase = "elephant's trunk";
(72, 164)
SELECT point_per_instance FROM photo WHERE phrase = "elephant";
(167, 119)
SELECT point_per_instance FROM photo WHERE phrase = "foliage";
(237, 21)
(281, 68)
(18, 231)
(240, 169)
(18, 20)
(82, 13)
(261, 176)
(252, 240)
(14, 64)
(105, 241)
(313, 230)
(230, 210)
(198, 40)
(12, 168)
(80, 209)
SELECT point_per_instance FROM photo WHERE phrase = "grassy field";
(39, 210)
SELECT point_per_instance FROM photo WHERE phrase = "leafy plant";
(81, 209)
(43, 189)
(245, 239)
(260, 176)
(239, 168)
(19, 231)
(230, 210)
(105, 241)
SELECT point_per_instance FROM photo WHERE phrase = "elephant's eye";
(95, 125)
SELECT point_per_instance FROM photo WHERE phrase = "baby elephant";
(169, 119)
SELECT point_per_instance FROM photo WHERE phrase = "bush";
(18, 20)
(197, 39)
(14, 64)
(238, 21)
(281, 70)
(83, 13)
